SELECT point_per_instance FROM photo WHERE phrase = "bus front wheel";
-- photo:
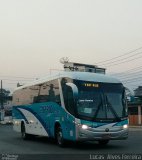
(59, 137)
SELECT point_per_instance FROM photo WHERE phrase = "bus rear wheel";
(24, 135)
(103, 142)
(59, 137)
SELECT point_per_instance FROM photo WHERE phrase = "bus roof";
(86, 76)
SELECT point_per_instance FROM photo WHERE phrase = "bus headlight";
(125, 126)
(16, 123)
(84, 126)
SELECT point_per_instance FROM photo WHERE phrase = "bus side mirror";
(74, 90)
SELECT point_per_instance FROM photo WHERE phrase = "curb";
(135, 126)
(2, 122)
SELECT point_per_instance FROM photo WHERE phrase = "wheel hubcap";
(23, 132)
(59, 137)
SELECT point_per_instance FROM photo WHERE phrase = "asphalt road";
(11, 143)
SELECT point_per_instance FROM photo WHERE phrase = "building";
(135, 107)
(71, 66)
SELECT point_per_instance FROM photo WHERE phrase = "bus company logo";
(47, 109)
(107, 129)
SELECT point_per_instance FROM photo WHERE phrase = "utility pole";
(1, 97)
(1, 102)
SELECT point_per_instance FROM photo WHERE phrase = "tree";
(4, 96)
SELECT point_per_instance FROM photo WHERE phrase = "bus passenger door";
(70, 95)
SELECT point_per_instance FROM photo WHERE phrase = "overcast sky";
(35, 34)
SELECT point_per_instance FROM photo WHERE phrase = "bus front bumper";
(90, 135)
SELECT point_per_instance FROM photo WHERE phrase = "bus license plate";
(106, 136)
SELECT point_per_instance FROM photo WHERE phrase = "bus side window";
(47, 92)
(68, 99)
(54, 93)
(38, 94)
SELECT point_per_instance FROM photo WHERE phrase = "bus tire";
(24, 135)
(59, 136)
(103, 142)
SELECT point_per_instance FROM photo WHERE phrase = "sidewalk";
(135, 128)
(138, 126)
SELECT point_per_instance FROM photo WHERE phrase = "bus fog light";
(125, 126)
(84, 126)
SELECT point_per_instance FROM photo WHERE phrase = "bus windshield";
(100, 101)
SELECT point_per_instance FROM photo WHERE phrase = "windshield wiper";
(111, 108)
(98, 108)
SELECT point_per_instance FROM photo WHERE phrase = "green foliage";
(4, 95)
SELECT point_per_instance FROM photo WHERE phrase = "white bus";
(76, 106)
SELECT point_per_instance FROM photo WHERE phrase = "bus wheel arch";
(24, 135)
(58, 134)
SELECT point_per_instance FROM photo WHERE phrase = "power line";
(17, 77)
(125, 61)
(16, 80)
(129, 75)
(132, 82)
(122, 59)
(131, 79)
(127, 71)
(127, 53)
(136, 85)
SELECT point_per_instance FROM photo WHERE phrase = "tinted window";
(48, 92)
(68, 95)
(45, 92)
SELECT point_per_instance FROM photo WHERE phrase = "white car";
(8, 119)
